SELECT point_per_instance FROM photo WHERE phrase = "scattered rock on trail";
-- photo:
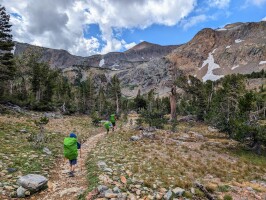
(102, 188)
(135, 138)
(178, 191)
(168, 195)
(148, 135)
(21, 192)
(196, 135)
(151, 129)
(23, 131)
(109, 194)
(33, 182)
(53, 115)
(11, 170)
(47, 151)
(116, 190)
(211, 129)
(108, 170)
(71, 190)
(188, 118)
(102, 165)
(139, 128)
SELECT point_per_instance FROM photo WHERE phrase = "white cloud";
(256, 2)
(219, 3)
(130, 45)
(263, 19)
(59, 24)
(193, 21)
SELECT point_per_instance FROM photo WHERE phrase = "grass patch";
(250, 157)
(224, 188)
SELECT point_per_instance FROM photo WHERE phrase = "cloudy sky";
(86, 27)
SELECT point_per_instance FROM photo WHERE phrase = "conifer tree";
(115, 90)
(7, 69)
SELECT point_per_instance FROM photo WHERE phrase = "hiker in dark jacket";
(71, 146)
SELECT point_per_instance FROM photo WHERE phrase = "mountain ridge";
(209, 55)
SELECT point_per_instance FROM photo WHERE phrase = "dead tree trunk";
(117, 104)
(173, 95)
(203, 189)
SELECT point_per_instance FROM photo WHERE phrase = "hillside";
(61, 59)
(210, 55)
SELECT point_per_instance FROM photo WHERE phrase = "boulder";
(33, 182)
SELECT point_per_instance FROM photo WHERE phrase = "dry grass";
(167, 163)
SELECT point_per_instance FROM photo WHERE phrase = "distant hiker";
(107, 126)
(112, 120)
(71, 146)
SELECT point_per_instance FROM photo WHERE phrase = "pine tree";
(7, 69)
(115, 92)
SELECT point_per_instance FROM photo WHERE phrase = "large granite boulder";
(33, 182)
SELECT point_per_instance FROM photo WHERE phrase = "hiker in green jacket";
(71, 146)
(112, 120)
(107, 126)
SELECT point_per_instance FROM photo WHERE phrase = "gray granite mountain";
(211, 54)
(61, 59)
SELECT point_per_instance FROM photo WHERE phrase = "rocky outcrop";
(61, 59)
(211, 54)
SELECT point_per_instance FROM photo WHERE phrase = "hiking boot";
(71, 174)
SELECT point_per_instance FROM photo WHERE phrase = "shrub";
(228, 197)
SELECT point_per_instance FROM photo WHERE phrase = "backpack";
(107, 125)
(112, 118)
(70, 148)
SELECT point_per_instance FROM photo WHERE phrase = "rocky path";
(60, 186)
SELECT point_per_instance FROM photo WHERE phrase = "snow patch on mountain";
(238, 40)
(13, 50)
(211, 66)
(262, 62)
(101, 63)
(234, 67)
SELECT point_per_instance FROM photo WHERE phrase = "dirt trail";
(62, 187)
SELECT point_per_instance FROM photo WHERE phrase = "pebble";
(9, 188)
(178, 191)
(116, 190)
(168, 195)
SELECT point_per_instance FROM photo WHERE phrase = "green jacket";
(112, 118)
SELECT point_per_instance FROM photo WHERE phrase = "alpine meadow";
(128, 100)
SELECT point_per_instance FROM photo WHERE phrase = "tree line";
(227, 105)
